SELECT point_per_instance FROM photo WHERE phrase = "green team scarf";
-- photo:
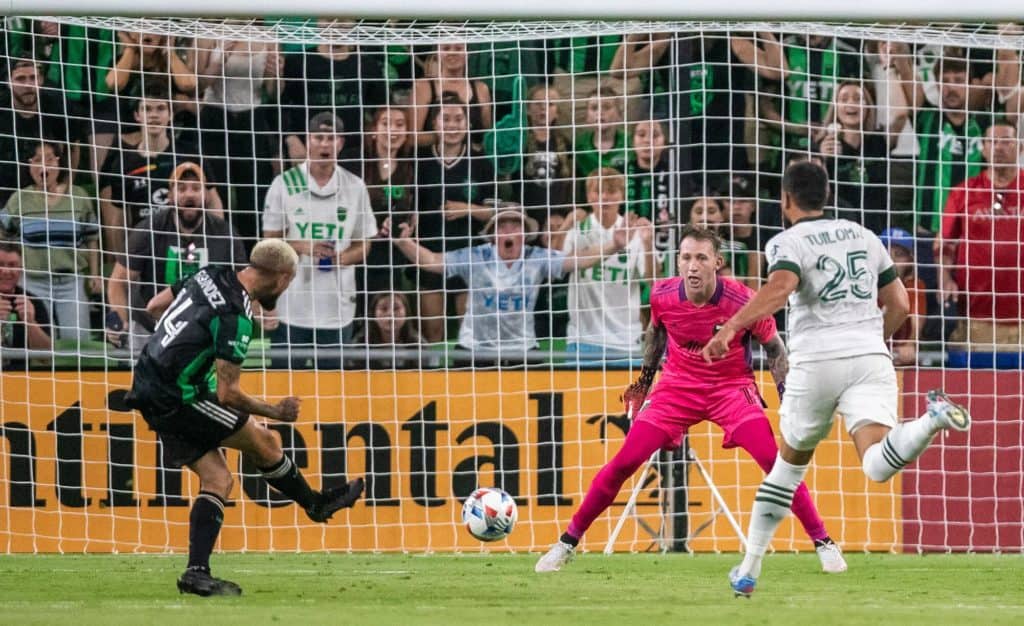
(939, 177)
(702, 77)
(798, 78)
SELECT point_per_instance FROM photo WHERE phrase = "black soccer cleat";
(201, 583)
(333, 500)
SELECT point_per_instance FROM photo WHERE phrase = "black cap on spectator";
(326, 121)
(741, 186)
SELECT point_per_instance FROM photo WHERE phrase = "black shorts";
(192, 430)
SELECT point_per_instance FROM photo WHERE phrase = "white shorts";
(862, 389)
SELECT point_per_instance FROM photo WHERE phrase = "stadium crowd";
(495, 197)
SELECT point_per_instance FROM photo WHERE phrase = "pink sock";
(757, 438)
(641, 442)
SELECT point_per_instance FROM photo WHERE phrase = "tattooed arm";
(778, 359)
(655, 340)
(230, 394)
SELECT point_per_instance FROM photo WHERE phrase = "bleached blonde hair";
(274, 255)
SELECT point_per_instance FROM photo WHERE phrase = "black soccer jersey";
(210, 318)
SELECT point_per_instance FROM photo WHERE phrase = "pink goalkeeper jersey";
(690, 327)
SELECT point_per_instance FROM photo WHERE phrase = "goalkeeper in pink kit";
(686, 311)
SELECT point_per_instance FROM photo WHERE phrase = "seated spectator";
(742, 229)
(907, 337)
(448, 73)
(56, 222)
(650, 189)
(605, 142)
(235, 136)
(323, 211)
(855, 152)
(146, 59)
(32, 112)
(504, 276)
(24, 320)
(388, 174)
(170, 245)
(135, 179)
(604, 299)
(452, 179)
(334, 78)
(543, 184)
(390, 325)
(980, 247)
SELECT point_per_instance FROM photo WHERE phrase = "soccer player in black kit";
(186, 386)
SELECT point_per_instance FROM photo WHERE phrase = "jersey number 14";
(171, 327)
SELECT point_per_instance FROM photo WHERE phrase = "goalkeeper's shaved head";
(272, 266)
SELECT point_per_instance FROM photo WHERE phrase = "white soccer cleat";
(555, 558)
(946, 413)
(831, 557)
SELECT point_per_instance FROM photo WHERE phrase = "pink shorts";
(674, 409)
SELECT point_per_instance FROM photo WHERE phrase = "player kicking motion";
(834, 274)
(685, 312)
(186, 386)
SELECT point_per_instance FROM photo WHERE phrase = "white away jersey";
(841, 265)
(499, 314)
(604, 300)
(339, 212)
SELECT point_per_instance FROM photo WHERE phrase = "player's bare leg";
(205, 519)
(263, 447)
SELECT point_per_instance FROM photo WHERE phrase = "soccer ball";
(489, 514)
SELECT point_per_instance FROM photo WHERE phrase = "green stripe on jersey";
(188, 390)
(887, 276)
(789, 266)
(242, 337)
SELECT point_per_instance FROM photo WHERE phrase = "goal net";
(480, 210)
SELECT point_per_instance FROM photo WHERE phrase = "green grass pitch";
(630, 590)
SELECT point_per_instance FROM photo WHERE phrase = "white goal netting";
(342, 137)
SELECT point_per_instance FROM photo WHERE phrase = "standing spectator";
(545, 175)
(333, 78)
(170, 245)
(56, 221)
(135, 179)
(390, 325)
(605, 143)
(32, 112)
(950, 140)
(651, 192)
(980, 247)
(24, 321)
(323, 211)
(855, 152)
(148, 58)
(906, 338)
(235, 136)
(604, 299)
(448, 73)
(388, 174)
(642, 55)
(451, 181)
(504, 276)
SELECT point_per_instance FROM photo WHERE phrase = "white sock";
(903, 444)
(771, 506)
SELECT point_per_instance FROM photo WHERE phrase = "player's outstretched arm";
(230, 393)
(778, 360)
(765, 302)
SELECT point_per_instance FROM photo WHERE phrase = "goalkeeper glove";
(634, 395)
